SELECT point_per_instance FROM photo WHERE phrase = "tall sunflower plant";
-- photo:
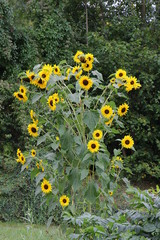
(71, 117)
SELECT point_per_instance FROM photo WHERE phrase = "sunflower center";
(20, 95)
(87, 65)
(46, 186)
(56, 99)
(127, 142)
(19, 154)
(51, 103)
(132, 82)
(89, 58)
(106, 111)
(22, 158)
(64, 200)
(40, 81)
(32, 77)
(33, 130)
(85, 82)
(123, 110)
(43, 75)
(56, 70)
(93, 146)
(97, 134)
(82, 59)
(121, 74)
(22, 90)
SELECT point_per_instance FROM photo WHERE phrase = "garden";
(79, 102)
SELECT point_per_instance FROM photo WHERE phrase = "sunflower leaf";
(91, 119)
(36, 97)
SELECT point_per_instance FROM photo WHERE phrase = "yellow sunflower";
(19, 153)
(122, 109)
(30, 75)
(120, 74)
(46, 186)
(77, 71)
(110, 193)
(76, 56)
(44, 75)
(33, 129)
(87, 66)
(106, 111)
(132, 81)
(22, 159)
(127, 142)
(137, 85)
(89, 57)
(47, 68)
(23, 89)
(56, 70)
(97, 134)
(112, 80)
(85, 82)
(67, 73)
(56, 97)
(93, 146)
(41, 83)
(64, 201)
(128, 87)
(20, 96)
(52, 104)
(33, 153)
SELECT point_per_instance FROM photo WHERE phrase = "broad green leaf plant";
(72, 115)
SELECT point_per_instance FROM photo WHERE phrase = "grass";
(20, 231)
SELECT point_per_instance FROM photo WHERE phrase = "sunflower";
(127, 142)
(56, 97)
(112, 80)
(23, 89)
(106, 111)
(89, 57)
(33, 129)
(122, 109)
(20, 96)
(85, 82)
(44, 75)
(48, 68)
(93, 146)
(30, 75)
(138, 85)
(33, 153)
(120, 74)
(46, 186)
(110, 193)
(19, 153)
(41, 83)
(64, 201)
(56, 70)
(33, 117)
(77, 71)
(128, 87)
(76, 56)
(67, 74)
(87, 66)
(119, 159)
(22, 159)
(52, 104)
(97, 134)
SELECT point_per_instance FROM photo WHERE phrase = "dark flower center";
(56, 100)
(82, 59)
(87, 65)
(93, 146)
(22, 90)
(123, 110)
(40, 81)
(51, 103)
(64, 200)
(106, 111)
(127, 142)
(22, 158)
(89, 58)
(56, 70)
(85, 82)
(33, 130)
(120, 74)
(46, 186)
(43, 75)
(20, 95)
(19, 154)
(132, 82)
(32, 77)
(97, 134)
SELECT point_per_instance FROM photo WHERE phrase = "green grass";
(20, 231)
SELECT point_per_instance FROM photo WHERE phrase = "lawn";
(20, 231)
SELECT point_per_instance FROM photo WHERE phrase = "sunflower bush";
(72, 115)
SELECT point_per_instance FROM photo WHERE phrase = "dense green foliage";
(122, 35)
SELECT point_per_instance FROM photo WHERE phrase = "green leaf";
(38, 190)
(39, 177)
(49, 221)
(74, 178)
(91, 119)
(149, 227)
(75, 97)
(36, 97)
(84, 174)
(42, 139)
(66, 140)
(34, 173)
(117, 152)
(91, 192)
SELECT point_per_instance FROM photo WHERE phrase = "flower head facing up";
(106, 111)
(46, 186)
(33, 129)
(85, 83)
(64, 201)
(122, 109)
(97, 134)
(93, 146)
(127, 142)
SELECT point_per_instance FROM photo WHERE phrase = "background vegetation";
(121, 34)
